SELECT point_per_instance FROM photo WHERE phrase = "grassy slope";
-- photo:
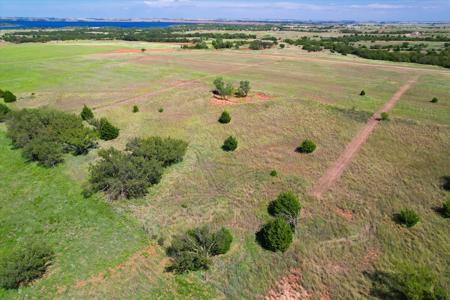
(314, 99)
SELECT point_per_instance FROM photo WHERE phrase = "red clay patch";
(348, 215)
(215, 100)
(289, 288)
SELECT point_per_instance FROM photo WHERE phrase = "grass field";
(109, 250)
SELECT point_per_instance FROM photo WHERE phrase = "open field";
(109, 250)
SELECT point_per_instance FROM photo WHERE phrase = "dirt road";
(335, 171)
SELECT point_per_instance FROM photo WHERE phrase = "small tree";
(225, 117)
(24, 265)
(407, 217)
(363, 93)
(4, 111)
(276, 235)
(434, 100)
(143, 50)
(307, 146)
(244, 89)
(222, 89)
(9, 97)
(135, 109)
(286, 206)
(107, 131)
(273, 173)
(230, 144)
(161, 110)
(446, 209)
(86, 113)
(384, 116)
(282, 46)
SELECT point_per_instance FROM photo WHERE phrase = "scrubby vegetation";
(307, 146)
(24, 265)
(225, 117)
(276, 235)
(4, 111)
(193, 250)
(45, 135)
(107, 131)
(407, 217)
(230, 144)
(446, 209)
(86, 113)
(8, 97)
(129, 174)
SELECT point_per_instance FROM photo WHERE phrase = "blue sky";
(362, 10)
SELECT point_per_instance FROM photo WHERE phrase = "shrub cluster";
(192, 250)
(24, 265)
(45, 135)
(230, 144)
(106, 131)
(86, 113)
(226, 89)
(407, 217)
(307, 146)
(8, 96)
(129, 174)
(4, 111)
(277, 235)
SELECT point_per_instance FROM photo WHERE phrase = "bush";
(24, 265)
(4, 111)
(286, 206)
(230, 144)
(307, 146)
(282, 46)
(46, 134)
(225, 118)
(86, 113)
(123, 175)
(222, 89)
(273, 173)
(107, 131)
(9, 97)
(161, 110)
(384, 116)
(192, 250)
(407, 217)
(244, 89)
(135, 109)
(363, 93)
(276, 235)
(168, 151)
(434, 100)
(446, 209)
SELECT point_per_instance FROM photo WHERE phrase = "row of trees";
(225, 90)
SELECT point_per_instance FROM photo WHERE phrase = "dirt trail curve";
(175, 86)
(335, 171)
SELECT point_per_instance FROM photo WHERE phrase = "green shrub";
(4, 111)
(86, 113)
(363, 93)
(9, 97)
(286, 206)
(107, 131)
(1, 93)
(192, 250)
(446, 209)
(168, 151)
(46, 134)
(282, 46)
(384, 116)
(230, 144)
(223, 89)
(273, 173)
(225, 118)
(407, 217)
(161, 110)
(123, 175)
(135, 109)
(307, 146)
(244, 89)
(276, 235)
(434, 100)
(24, 265)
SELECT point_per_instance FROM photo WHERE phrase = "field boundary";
(333, 173)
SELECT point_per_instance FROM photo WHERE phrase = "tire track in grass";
(333, 173)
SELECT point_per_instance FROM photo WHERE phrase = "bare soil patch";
(289, 288)
(348, 215)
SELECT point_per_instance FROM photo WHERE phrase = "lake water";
(8, 24)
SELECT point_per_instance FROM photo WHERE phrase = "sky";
(318, 10)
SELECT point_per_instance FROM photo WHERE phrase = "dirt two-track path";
(335, 171)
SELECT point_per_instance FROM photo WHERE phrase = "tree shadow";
(446, 183)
